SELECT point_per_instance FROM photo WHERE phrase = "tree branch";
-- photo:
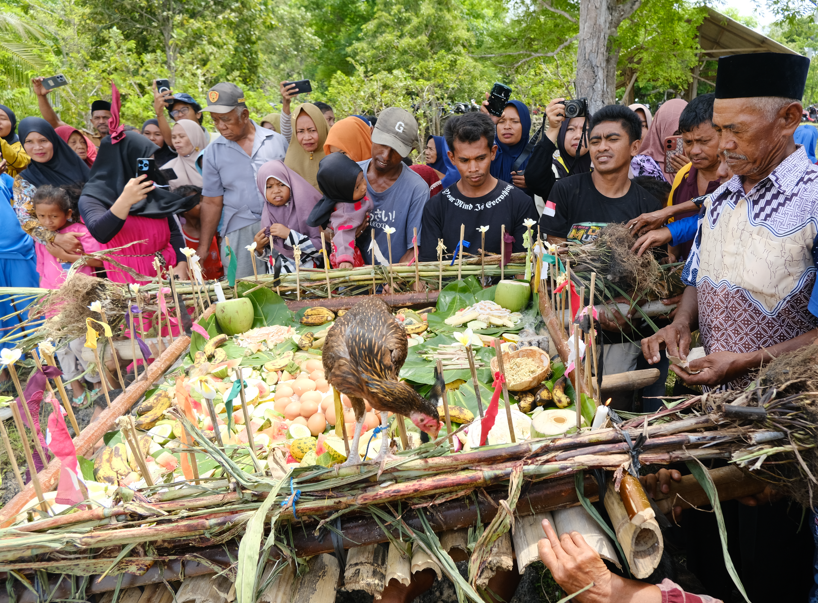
(547, 5)
(624, 11)
(531, 55)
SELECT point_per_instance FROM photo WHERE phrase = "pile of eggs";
(307, 399)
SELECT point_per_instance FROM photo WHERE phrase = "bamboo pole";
(253, 261)
(215, 421)
(326, 265)
(483, 257)
(32, 468)
(460, 253)
(577, 377)
(340, 420)
(85, 442)
(474, 380)
(440, 264)
(446, 405)
(417, 268)
(63, 395)
(113, 351)
(404, 440)
(501, 366)
(10, 454)
(16, 379)
(391, 273)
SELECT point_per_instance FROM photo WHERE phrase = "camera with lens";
(576, 108)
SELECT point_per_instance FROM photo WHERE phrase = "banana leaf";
(268, 307)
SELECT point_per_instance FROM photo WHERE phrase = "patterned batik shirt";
(753, 262)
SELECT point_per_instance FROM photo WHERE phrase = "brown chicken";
(363, 355)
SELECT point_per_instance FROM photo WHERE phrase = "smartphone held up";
(301, 86)
(673, 147)
(498, 99)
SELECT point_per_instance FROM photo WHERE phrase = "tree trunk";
(596, 55)
(592, 53)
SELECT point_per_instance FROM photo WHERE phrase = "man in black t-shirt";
(478, 199)
(580, 205)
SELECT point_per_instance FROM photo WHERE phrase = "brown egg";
(368, 406)
(300, 421)
(326, 403)
(322, 385)
(293, 410)
(317, 424)
(350, 430)
(316, 375)
(309, 408)
(303, 385)
(313, 364)
(283, 391)
(330, 414)
(347, 402)
(281, 404)
(311, 397)
(371, 421)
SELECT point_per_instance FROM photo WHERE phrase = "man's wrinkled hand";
(651, 239)
(659, 484)
(714, 369)
(647, 222)
(675, 338)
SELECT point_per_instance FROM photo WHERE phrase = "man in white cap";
(397, 192)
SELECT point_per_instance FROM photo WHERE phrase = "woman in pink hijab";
(79, 143)
(651, 158)
(289, 199)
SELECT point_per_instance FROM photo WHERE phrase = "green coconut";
(512, 295)
(235, 316)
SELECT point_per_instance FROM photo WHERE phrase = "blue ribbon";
(375, 432)
(457, 250)
(293, 498)
(552, 259)
(228, 402)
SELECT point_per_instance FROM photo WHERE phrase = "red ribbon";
(575, 300)
(491, 413)
(117, 130)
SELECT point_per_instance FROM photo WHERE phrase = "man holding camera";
(179, 106)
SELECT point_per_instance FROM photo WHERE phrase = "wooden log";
(421, 560)
(205, 589)
(577, 519)
(366, 569)
(731, 483)
(501, 558)
(642, 545)
(627, 382)
(85, 442)
(281, 590)
(320, 581)
(398, 566)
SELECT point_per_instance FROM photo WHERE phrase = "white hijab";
(185, 167)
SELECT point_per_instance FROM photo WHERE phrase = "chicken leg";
(383, 453)
(360, 414)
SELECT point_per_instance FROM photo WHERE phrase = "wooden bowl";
(528, 352)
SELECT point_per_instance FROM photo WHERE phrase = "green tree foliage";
(801, 34)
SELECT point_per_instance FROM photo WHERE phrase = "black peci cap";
(762, 74)
(100, 105)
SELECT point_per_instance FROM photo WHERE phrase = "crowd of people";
(725, 183)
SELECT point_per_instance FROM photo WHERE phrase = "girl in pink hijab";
(290, 199)
(79, 143)
(651, 158)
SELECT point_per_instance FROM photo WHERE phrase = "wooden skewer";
(32, 469)
(24, 404)
(278, 288)
(206, 293)
(501, 366)
(133, 343)
(246, 414)
(577, 377)
(158, 268)
(440, 264)
(568, 292)
(214, 419)
(391, 274)
(415, 245)
(482, 257)
(66, 403)
(326, 265)
(593, 333)
(502, 251)
(445, 405)
(176, 301)
(476, 383)
(127, 429)
(253, 261)
(236, 286)
(372, 253)
(113, 351)
(10, 454)
(404, 440)
(460, 253)
(297, 261)
(102, 379)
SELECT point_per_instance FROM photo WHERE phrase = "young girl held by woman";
(56, 210)
(344, 207)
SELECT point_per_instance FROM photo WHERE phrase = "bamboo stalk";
(440, 264)
(113, 351)
(10, 454)
(501, 366)
(32, 468)
(446, 406)
(415, 245)
(577, 377)
(404, 440)
(253, 262)
(391, 273)
(474, 380)
(246, 414)
(326, 265)
(214, 420)
(63, 395)
(460, 253)
(16, 379)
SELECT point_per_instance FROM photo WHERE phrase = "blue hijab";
(507, 155)
(807, 135)
(443, 164)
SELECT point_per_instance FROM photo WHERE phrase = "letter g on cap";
(399, 126)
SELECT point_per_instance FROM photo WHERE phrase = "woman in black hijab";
(10, 145)
(122, 209)
(52, 160)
